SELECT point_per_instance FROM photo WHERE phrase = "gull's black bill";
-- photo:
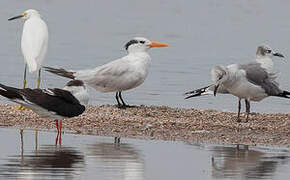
(278, 54)
(15, 17)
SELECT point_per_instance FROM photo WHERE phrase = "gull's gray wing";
(260, 77)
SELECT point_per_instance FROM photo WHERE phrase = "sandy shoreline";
(163, 123)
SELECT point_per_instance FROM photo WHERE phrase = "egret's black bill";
(15, 17)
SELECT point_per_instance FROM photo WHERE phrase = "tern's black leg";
(120, 96)
(117, 97)
(239, 111)
(247, 109)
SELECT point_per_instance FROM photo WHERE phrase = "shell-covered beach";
(163, 123)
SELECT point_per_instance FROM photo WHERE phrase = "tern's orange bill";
(158, 44)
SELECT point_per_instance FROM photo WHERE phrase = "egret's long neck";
(266, 62)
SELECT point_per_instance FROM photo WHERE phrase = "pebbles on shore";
(164, 123)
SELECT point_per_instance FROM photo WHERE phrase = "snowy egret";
(253, 81)
(119, 75)
(34, 42)
(55, 104)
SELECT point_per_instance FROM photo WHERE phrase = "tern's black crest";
(75, 83)
(133, 41)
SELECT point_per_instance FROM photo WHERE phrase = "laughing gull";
(119, 75)
(56, 104)
(253, 81)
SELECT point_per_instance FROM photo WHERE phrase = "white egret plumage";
(34, 42)
(119, 75)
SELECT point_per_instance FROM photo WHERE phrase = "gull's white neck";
(266, 62)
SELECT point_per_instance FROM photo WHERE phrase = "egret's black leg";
(239, 111)
(24, 85)
(120, 95)
(38, 79)
(247, 109)
(24, 77)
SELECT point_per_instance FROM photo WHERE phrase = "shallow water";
(201, 34)
(91, 157)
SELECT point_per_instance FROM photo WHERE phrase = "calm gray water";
(201, 34)
(90, 157)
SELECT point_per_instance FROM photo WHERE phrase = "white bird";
(34, 42)
(119, 75)
(253, 81)
(56, 104)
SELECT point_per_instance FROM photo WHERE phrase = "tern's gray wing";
(259, 76)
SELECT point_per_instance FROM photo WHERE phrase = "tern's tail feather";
(60, 72)
(199, 92)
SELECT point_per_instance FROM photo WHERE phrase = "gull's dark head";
(267, 51)
(139, 44)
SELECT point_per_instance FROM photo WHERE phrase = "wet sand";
(163, 123)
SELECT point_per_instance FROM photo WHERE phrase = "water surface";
(91, 157)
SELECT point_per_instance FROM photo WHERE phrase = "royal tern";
(56, 104)
(34, 42)
(119, 75)
(253, 81)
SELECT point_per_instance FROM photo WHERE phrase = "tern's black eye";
(268, 51)
(142, 42)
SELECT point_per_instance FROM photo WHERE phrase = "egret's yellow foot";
(22, 108)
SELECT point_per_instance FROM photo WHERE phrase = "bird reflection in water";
(122, 159)
(244, 163)
(49, 162)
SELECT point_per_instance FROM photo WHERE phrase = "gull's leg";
(247, 109)
(124, 104)
(117, 98)
(239, 110)
(38, 79)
